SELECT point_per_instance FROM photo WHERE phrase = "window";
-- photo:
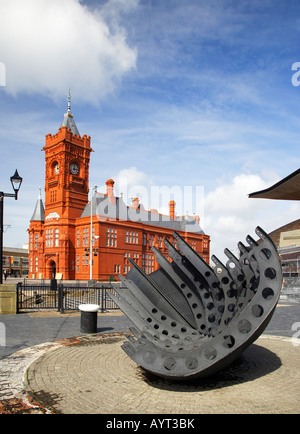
(126, 262)
(16, 261)
(85, 237)
(144, 239)
(117, 268)
(77, 264)
(56, 240)
(111, 237)
(78, 237)
(49, 237)
(131, 237)
(160, 241)
(24, 262)
(151, 240)
(36, 237)
(148, 263)
(53, 196)
(36, 264)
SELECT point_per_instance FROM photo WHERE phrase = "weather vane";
(69, 101)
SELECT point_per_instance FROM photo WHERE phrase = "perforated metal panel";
(192, 320)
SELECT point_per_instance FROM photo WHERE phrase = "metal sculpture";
(192, 320)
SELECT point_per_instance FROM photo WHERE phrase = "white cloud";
(233, 198)
(230, 215)
(49, 46)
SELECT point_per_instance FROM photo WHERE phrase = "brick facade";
(61, 239)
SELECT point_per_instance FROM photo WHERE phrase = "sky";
(199, 98)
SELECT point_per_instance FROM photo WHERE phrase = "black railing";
(63, 298)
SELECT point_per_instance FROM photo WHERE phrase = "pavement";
(48, 367)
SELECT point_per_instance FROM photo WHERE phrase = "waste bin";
(88, 320)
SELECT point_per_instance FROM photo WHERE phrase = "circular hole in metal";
(169, 364)
(191, 363)
(268, 293)
(163, 317)
(240, 277)
(154, 310)
(228, 341)
(225, 280)
(265, 254)
(156, 326)
(231, 293)
(270, 273)
(194, 305)
(183, 285)
(173, 324)
(257, 310)
(231, 307)
(183, 330)
(244, 326)
(199, 315)
(221, 308)
(207, 273)
(210, 353)
(149, 319)
(219, 296)
(165, 332)
(189, 295)
(211, 318)
(210, 306)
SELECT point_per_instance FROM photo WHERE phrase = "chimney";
(110, 189)
(136, 203)
(172, 204)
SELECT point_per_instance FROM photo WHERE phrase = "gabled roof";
(39, 211)
(116, 209)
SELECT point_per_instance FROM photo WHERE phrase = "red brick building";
(64, 231)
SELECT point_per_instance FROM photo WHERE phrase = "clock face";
(56, 169)
(74, 169)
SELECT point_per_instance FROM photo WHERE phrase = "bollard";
(88, 320)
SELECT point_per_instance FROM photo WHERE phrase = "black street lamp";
(16, 182)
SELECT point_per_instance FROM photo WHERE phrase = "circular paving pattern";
(94, 375)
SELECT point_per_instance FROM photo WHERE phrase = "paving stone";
(266, 379)
(91, 374)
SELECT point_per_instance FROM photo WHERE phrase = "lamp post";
(16, 182)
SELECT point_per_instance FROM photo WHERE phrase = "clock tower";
(67, 157)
